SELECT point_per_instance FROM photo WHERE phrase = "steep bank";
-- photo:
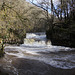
(17, 18)
(62, 35)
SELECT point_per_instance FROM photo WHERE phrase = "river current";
(37, 47)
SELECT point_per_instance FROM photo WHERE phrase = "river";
(37, 47)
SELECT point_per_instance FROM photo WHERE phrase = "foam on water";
(65, 61)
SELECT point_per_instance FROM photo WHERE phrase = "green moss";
(1, 47)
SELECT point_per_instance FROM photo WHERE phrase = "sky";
(55, 2)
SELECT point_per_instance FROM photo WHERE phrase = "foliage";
(18, 17)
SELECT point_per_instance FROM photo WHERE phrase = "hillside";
(18, 17)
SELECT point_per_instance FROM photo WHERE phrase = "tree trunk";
(61, 11)
(67, 9)
(52, 18)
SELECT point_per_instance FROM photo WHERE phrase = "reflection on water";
(37, 47)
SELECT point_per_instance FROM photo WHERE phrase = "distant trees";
(63, 10)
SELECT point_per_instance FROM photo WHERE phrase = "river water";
(37, 47)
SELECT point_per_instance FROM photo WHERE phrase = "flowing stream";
(38, 56)
(37, 47)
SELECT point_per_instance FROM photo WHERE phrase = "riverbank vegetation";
(1, 48)
(18, 17)
(62, 31)
(61, 26)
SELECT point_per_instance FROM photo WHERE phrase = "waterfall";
(36, 39)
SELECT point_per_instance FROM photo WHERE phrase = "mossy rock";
(1, 48)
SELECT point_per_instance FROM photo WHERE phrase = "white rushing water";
(37, 47)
